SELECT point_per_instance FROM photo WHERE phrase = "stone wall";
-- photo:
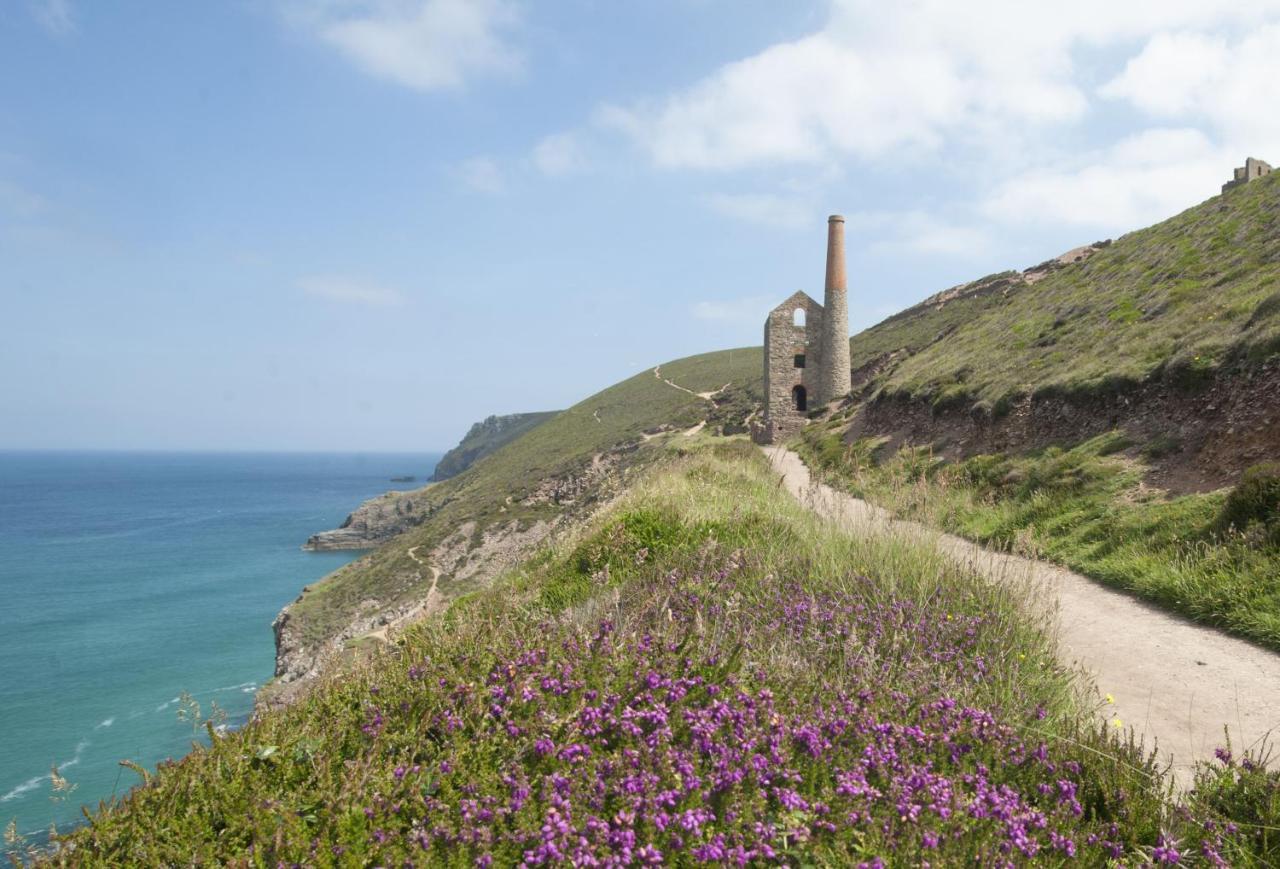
(783, 341)
(1252, 168)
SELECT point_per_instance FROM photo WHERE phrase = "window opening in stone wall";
(798, 317)
(799, 360)
(799, 399)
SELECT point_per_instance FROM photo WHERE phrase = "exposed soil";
(1206, 438)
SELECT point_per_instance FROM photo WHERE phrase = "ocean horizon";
(133, 578)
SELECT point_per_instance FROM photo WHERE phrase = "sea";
(131, 581)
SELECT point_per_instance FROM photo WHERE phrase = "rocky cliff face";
(387, 515)
(376, 520)
(485, 437)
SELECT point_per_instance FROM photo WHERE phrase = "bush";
(1255, 502)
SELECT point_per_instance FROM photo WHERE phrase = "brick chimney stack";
(833, 381)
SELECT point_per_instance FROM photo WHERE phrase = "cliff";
(374, 521)
(484, 437)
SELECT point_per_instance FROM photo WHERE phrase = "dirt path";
(1171, 680)
(657, 372)
(428, 606)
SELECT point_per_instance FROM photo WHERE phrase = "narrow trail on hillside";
(709, 395)
(429, 605)
(1173, 681)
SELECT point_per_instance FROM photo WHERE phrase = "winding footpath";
(429, 605)
(1173, 681)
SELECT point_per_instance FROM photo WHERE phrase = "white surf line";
(708, 396)
(1172, 681)
(34, 782)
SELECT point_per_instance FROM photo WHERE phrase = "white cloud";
(763, 208)
(1139, 180)
(920, 232)
(749, 309)
(559, 154)
(55, 16)
(920, 77)
(337, 288)
(482, 174)
(422, 44)
(1204, 77)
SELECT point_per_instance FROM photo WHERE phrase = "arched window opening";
(798, 317)
(799, 398)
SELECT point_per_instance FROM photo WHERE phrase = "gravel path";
(1173, 681)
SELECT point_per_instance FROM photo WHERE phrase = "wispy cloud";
(55, 16)
(921, 232)
(422, 44)
(347, 290)
(559, 154)
(1138, 180)
(767, 209)
(483, 175)
(749, 309)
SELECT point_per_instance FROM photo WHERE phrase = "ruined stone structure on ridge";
(1251, 169)
(806, 349)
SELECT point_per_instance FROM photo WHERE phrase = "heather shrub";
(733, 682)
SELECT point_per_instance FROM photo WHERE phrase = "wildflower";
(1110, 699)
(1165, 851)
(1117, 723)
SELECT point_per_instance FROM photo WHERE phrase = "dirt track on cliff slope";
(1173, 681)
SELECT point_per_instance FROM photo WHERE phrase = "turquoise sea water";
(129, 578)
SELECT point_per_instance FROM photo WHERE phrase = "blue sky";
(364, 224)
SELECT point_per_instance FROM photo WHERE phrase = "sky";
(365, 224)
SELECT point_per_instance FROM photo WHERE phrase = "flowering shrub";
(710, 677)
(638, 747)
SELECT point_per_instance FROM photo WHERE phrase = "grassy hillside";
(1177, 301)
(487, 436)
(1153, 359)
(503, 487)
(707, 673)
(1214, 557)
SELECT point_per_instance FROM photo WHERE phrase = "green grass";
(492, 491)
(486, 437)
(1085, 508)
(1180, 300)
(707, 570)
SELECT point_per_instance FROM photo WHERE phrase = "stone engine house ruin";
(1252, 168)
(806, 349)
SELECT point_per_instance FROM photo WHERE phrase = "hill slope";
(484, 437)
(707, 673)
(1177, 301)
(1101, 410)
(470, 527)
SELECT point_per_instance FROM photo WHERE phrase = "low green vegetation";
(1214, 557)
(705, 673)
(1178, 301)
(497, 488)
(485, 437)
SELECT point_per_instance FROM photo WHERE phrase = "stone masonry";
(806, 349)
(1252, 168)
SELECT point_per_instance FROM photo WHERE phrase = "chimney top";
(836, 218)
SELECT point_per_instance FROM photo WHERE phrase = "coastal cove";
(129, 579)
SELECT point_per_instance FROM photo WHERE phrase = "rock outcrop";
(376, 520)
(485, 437)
